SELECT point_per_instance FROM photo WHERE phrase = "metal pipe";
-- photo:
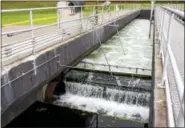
(167, 54)
(175, 11)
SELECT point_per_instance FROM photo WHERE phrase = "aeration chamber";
(109, 87)
(113, 84)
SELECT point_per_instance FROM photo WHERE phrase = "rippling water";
(136, 46)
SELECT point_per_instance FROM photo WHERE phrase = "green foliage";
(26, 4)
(50, 16)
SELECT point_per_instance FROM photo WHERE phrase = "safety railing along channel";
(32, 38)
(170, 27)
(115, 68)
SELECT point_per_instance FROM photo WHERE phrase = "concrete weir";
(22, 83)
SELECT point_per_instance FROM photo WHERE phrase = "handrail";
(48, 8)
(43, 26)
(9, 49)
(113, 65)
(175, 11)
(171, 64)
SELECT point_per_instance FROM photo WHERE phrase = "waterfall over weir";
(93, 89)
(97, 92)
(121, 96)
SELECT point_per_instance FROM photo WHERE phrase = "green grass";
(41, 17)
(26, 4)
(22, 18)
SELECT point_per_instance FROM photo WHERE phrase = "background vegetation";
(50, 16)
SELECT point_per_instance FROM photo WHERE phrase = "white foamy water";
(84, 89)
(118, 103)
(99, 105)
(136, 45)
(121, 96)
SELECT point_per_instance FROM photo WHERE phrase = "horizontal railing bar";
(49, 8)
(40, 36)
(36, 37)
(43, 26)
(175, 11)
(113, 65)
(37, 43)
(56, 38)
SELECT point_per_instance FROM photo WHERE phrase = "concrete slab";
(159, 94)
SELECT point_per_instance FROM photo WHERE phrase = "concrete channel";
(88, 82)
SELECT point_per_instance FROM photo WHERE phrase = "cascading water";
(123, 104)
(84, 90)
(128, 97)
(123, 97)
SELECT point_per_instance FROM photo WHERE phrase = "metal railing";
(170, 27)
(125, 69)
(18, 43)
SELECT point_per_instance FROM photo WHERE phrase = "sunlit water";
(136, 52)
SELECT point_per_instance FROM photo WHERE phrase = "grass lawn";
(22, 18)
(41, 17)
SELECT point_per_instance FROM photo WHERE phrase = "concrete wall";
(144, 14)
(22, 92)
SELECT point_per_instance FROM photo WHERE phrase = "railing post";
(33, 39)
(164, 76)
(161, 31)
(151, 17)
(161, 24)
(32, 31)
(118, 11)
(58, 16)
(84, 65)
(96, 14)
(166, 55)
(109, 68)
(81, 18)
(102, 14)
(114, 11)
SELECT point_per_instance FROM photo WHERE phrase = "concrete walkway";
(159, 93)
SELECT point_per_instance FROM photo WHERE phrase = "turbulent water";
(121, 96)
(113, 102)
(103, 79)
(136, 46)
(103, 106)
(103, 94)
